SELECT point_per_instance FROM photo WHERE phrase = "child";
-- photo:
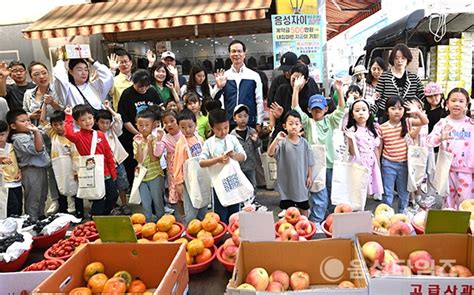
(395, 150)
(172, 105)
(111, 124)
(11, 173)
(189, 145)
(83, 116)
(194, 104)
(295, 160)
(60, 147)
(33, 161)
(353, 93)
(454, 134)
(216, 151)
(434, 105)
(319, 130)
(248, 138)
(152, 186)
(361, 129)
(168, 142)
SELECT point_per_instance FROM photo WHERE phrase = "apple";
(275, 287)
(390, 257)
(230, 253)
(303, 217)
(228, 242)
(300, 238)
(384, 209)
(381, 224)
(233, 227)
(399, 228)
(420, 218)
(343, 208)
(329, 220)
(406, 271)
(467, 205)
(289, 235)
(399, 217)
(374, 272)
(420, 262)
(258, 277)
(440, 271)
(246, 286)
(460, 271)
(279, 239)
(303, 227)
(374, 253)
(234, 218)
(284, 226)
(346, 285)
(393, 269)
(281, 277)
(279, 222)
(236, 237)
(299, 280)
(292, 215)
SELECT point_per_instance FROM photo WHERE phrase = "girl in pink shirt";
(454, 134)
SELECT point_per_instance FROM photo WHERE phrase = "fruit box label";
(421, 286)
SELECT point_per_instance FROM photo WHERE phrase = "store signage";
(301, 34)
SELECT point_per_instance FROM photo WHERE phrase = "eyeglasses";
(15, 71)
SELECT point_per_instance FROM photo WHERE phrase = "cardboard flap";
(347, 225)
(117, 229)
(447, 222)
(256, 226)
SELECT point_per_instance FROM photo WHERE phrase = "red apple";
(274, 287)
(236, 237)
(279, 222)
(374, 272)
(228, 242)
(292, 215)
(460, 271)
(343, 208)
(258, 277)
(234, 218)
(230, 253)
(289, 235)
(329, 220)
(281, 277)
(346, 285)
(373, 254)
(393, 269)
(233, 227)
(420, 262)
(303, 227)
(299, 280)
(303, 217)
(399, 228)
(390, 257)
(284, 226)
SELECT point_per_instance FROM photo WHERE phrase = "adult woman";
(198, 83)
(376, 67)
(397, 81)
(162, 82)
(34, 98)
(74, 87)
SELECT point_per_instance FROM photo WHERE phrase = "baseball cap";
(432, 89)
(287, 61)
(238, 108)
(168, 54)
(317, 101)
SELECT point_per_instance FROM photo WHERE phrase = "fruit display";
(64, 248)
(258, 279)
(294, 226)
(6, 242)
(86, 230)
(165, 229)
(227, 254)
(386, 222)
(382, 262)
(15, 264)
(40, 224)
(327, 224)
(211, 225)
(45, 264)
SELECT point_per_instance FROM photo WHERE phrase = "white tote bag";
(197, 182)
(417, 159)
(140, 172)
(90, 173)
(64, 175)
(3, 190)
(319, 168)
(339, 143)
(441, 175)
(270, 170)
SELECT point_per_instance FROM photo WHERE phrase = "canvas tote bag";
(197, 181)
(90, 174)
(140, 172)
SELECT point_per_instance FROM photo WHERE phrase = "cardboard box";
(160, 266)
(13, 283)
(76, 51)
(447, 248)
(328, 262)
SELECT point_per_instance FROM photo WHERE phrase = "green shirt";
(165, 92)
(203, 126)
(320, 132)
(154, 167)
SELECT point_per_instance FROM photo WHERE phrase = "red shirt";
(83, 142)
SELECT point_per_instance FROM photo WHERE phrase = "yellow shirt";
(154, 167)
(11, 173)
(121, 82)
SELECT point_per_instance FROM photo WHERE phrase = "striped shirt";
(395, 147)
(387, 88)
(154, 167)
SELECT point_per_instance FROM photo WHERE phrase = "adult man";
(14, 93)
(240, 85)
(121, 60)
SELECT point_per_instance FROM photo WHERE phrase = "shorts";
(122, 180)
(285, 204)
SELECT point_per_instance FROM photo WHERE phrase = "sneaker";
(71, 206)
(53, 208)
(378, 197)
(282, 213)
(169, 210)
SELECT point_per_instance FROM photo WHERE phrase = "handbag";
(230, 183)
(319, 167)
(441, 175)
(197, 182)
(140, 172)
(270, 170)
(64, 175)
(417, 159)
(90, 174)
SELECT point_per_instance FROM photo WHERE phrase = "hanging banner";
(301, 34)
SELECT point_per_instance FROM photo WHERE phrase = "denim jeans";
(330, 206)
(191, 212)
(151, 194)
(107, 203)
(251, 176)
(224, 212)
(395, 173)
(320, 202)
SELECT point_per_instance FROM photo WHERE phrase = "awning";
(118, 18)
